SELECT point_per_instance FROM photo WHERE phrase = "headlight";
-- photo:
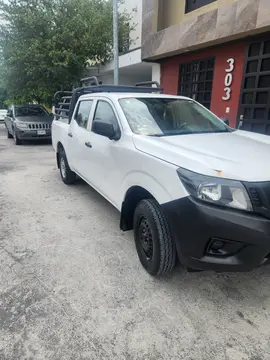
(21, 125)
(217, 191)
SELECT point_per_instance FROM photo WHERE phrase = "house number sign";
(228, 79)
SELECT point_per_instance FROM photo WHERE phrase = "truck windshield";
(169, 116)
(28, 110)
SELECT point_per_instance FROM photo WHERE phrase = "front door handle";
(88, 144)
(70, 135)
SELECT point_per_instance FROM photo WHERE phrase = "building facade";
(131, 67)
(216, 52)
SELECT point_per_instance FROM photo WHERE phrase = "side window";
(83, 113)
(105, 113)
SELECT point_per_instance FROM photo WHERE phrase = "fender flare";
(139, 186)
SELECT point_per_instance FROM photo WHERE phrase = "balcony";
(178, 26)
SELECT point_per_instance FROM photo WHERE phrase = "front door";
(106, 155)
(254, 111)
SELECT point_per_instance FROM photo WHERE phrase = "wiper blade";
(191, 132)
(171, 134)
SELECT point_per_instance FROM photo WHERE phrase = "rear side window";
(83, 113)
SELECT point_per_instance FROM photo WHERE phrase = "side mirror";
(104, 129)
(226, 121)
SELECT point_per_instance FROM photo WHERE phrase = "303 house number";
(228, 79)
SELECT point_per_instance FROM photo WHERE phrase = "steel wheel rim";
(145, 239)
(63, 168)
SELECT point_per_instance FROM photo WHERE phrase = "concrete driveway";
(72, 288)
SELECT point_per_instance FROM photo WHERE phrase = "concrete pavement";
(72, 288)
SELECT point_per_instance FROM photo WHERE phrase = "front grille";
(39, 126)
(255, 197)
(259, 193)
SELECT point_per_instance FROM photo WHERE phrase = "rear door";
(78, 136)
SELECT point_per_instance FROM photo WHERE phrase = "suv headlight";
(214, 190)
(21, 125)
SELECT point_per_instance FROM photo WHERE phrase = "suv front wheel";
(9, 136)
(16, 139)
(153, 240)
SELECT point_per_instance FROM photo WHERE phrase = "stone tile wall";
(231, 21)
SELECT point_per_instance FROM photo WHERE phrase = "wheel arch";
(137, 186)
(133, 196)
(58, 149)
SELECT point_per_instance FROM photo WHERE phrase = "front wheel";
(16, 139)
(68, 176)
(154, 244)
(9, 136)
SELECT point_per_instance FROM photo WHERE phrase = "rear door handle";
(70, 135)
(88, 144)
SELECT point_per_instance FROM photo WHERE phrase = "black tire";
(154, 243)
(16, 139)
(68, 176)
(9, 136)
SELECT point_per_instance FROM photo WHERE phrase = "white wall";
(125, 60)
(134, 8)
(124, 79)
(131, 67)
(156, 72)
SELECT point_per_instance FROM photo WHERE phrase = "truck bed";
(60, 132)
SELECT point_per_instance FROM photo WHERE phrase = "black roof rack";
(65, 101)
(148, 83)
(93, 80)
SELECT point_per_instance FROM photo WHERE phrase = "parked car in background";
(3, 113)
(28, 122)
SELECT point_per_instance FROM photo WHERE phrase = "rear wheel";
(155, 246)
(68, 176)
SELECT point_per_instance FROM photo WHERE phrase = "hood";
(238, 155)
(32, 119)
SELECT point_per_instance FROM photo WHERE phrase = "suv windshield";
(28, 110)
(165, 116)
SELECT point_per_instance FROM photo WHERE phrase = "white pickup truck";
(189, 186)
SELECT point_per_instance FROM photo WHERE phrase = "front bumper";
(195, 225)
(34, 134)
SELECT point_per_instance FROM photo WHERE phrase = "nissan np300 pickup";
(187, 184)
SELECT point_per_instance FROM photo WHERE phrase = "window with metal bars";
(196, 80)
(255, 97)
(196, 4)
